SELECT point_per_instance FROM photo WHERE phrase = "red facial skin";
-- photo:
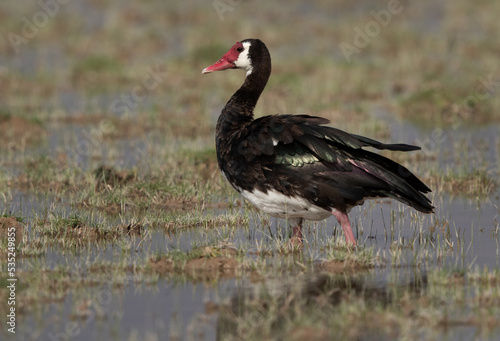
(227, 60)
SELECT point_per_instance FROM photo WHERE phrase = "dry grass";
(119, 172)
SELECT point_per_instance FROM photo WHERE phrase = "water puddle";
(100, 264)
(462, 234)
(465, 236)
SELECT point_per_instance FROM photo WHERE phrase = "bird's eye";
(239, 49)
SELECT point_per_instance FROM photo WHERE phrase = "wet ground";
(127, 231)
(463, 234)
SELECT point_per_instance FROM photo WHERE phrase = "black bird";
(294, 167)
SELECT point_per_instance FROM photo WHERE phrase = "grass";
(476, 183)
(97, 69)
(322, 296)
(134, 199)
(333, 306)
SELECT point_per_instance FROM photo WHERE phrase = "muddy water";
(171, 308)
(166, 310)
(179, 307)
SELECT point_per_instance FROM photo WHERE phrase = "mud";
(78, 233)
(108, 178)
(18, 133)
(339, 267)
(205, 268)
(8, 222)
(307, 333)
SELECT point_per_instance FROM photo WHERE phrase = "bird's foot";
(297, 240)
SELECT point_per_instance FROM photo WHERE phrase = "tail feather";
(402, 147)
(403, 185)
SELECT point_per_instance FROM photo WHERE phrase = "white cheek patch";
(244, 62)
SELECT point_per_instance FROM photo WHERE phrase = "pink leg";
(297, 232)
(346, 226)
(297, 238)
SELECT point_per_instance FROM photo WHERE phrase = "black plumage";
(297, 156)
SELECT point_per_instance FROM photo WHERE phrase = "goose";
(295, 166)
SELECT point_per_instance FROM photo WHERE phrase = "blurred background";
(107, 123)
(414, 60)
(76, 74)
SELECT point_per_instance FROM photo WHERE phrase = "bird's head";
(238, 57)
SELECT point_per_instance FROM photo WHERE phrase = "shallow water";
(176, 308)
(165, 309)
(170, 307)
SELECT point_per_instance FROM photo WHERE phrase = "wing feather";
(335, 160)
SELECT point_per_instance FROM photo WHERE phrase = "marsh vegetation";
(126, 230)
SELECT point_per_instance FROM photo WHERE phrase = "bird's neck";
(248, 94)
(238, 111)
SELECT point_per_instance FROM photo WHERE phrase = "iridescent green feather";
(296, 156)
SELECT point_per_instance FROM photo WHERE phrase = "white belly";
(281, 206)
